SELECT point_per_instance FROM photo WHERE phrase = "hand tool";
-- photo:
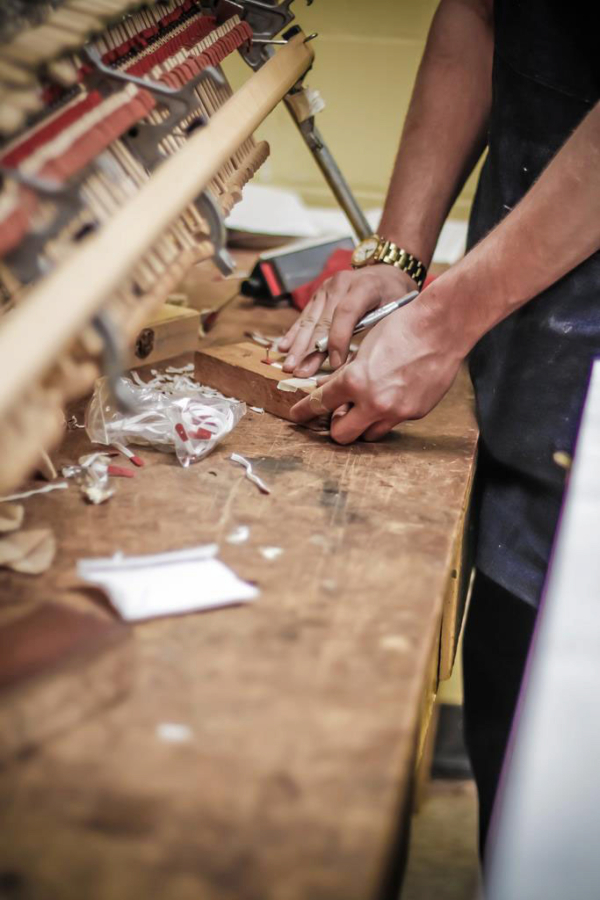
(372, 318)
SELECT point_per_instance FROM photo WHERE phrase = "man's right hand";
(334, 310)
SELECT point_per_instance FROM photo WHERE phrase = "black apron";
(531, 371)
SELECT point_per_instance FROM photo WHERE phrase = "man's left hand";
(404, 366)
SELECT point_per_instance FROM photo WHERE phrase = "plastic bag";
(172, 413)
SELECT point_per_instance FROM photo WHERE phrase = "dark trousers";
(497, 635)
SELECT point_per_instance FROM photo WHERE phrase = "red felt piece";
(339, 261)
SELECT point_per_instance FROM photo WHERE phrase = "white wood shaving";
(174, 733)
(242, 461)
(271, 553)
(59, 486)
(239, 535)
(292, 385)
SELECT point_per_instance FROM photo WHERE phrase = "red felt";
(337, 262)
(82, 151)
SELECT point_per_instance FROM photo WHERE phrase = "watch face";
(364, 251)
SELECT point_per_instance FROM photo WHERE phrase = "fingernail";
(302, 372)
(335, 359)
(283, 344)
(290, 364)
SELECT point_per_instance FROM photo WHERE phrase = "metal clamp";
(26, 260)
(113, 363)
(266, 21)
(144, 138)
(210, 211)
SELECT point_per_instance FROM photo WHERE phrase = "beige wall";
(367, 55)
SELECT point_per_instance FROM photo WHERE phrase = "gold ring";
(315, 401)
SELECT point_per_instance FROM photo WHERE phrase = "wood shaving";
(271, 553)
(292, 385)
(242, 461)
(239, 535)
(55, 486)
(11, 516)
(29, 552)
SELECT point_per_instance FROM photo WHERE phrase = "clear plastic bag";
(171, 413)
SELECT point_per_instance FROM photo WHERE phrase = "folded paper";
(164, 584)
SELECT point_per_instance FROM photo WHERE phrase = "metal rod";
(332, 174)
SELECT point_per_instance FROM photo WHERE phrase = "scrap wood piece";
(239, 370)
(46, 467)
(30, 552)
(11, 516)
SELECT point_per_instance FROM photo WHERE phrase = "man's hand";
(334, 310)
(402, 370)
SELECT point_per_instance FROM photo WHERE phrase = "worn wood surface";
(304, 708)
(57, 666)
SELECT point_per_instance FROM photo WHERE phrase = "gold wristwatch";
(377, 250)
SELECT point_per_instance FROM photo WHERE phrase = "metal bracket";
(266, 20)
(209, 209)
(113, 360)
(144, 138)
(26, 260)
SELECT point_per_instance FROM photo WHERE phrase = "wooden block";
(239, 370)
(171, 331)
(57, 666)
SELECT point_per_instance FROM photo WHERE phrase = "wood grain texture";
(305, 707)
(173, 330)
(57, 666)
(241, 371)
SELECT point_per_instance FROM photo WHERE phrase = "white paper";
(270, 210)
(163, 584)
(265, 209)
(451, 242)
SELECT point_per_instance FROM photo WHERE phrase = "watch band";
(390, 253)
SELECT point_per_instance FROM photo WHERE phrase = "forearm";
(554, 228)
(445, 129)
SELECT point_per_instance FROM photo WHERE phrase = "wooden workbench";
(306, 707)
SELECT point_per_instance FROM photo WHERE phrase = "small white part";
(174, 733)
(242, 461)
(239, 535)
(256, 409)
(271, 553)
